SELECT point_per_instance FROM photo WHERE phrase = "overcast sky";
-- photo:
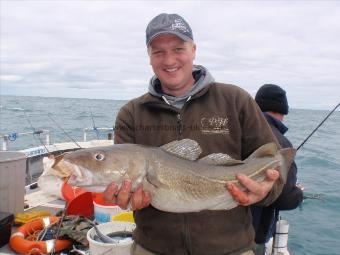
(96, 49)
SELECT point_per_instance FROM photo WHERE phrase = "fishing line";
(35, 132)
(50, 116)
(94, 125)
(316, 196)
(63, 214)
(317, 127)
(313, 196)
(39, 138)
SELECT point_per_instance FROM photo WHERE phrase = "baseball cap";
(168, 24)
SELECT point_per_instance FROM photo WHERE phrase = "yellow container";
(124, 216)
(23, 218)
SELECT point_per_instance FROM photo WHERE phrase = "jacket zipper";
(179, 126)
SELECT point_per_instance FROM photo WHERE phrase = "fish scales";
(181, 177)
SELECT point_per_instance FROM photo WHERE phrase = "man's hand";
(123, 197)
(255, 191)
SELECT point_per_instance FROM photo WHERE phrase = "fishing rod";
(50, 116)
(316, 196)
(317, 127)
(94, 125)
(33, 184)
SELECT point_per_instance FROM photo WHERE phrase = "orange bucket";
(69, 192)
(81, 205)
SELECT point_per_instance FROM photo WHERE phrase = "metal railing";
(96, 130)
(14, 136)
(6, 139)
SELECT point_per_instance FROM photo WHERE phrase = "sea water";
(65, 118)
(314, 227)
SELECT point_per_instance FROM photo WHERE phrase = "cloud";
(96, 49)
(10, 78)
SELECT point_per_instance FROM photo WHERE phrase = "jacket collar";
(154, 101)
(276, 123)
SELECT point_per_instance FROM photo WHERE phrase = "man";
(273, 102)
(184, 102)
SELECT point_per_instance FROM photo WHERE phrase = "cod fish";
(177, 180)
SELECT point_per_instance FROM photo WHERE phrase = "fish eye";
(99, 156)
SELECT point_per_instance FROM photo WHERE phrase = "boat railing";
(14, 136)
(96, 130)
(7, 138)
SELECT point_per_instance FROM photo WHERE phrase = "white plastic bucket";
(121, 248)
(12, 181)
(104, 213)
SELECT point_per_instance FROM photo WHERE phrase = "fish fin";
(220, 159)
(226, 206)
(185, 148)
(288, 155)
(225, 202)
(268, 149)
(155, 182)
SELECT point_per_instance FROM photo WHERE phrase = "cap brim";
(181, 36)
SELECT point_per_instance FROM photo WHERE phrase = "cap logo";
(179, 25)
(168, 23)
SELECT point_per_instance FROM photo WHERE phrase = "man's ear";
(194, 49)
(149, 54)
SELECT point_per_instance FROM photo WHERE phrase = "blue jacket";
(264, 218)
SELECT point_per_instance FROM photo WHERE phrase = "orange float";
(20, 243)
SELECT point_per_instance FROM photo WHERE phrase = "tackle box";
(6, 222)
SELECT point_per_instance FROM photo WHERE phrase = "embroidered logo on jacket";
(214, 125)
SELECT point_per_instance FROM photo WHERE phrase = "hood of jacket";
(276, 123)
(202, 79)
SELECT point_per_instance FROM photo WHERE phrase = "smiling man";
(184, 101)
(172, 59)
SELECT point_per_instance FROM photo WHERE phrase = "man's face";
(172, 61)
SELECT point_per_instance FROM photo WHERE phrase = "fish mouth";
(86, 179)
(79, 176)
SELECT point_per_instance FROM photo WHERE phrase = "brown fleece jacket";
(221, 118)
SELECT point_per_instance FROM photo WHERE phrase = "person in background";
(184, 101)
(273, 102)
